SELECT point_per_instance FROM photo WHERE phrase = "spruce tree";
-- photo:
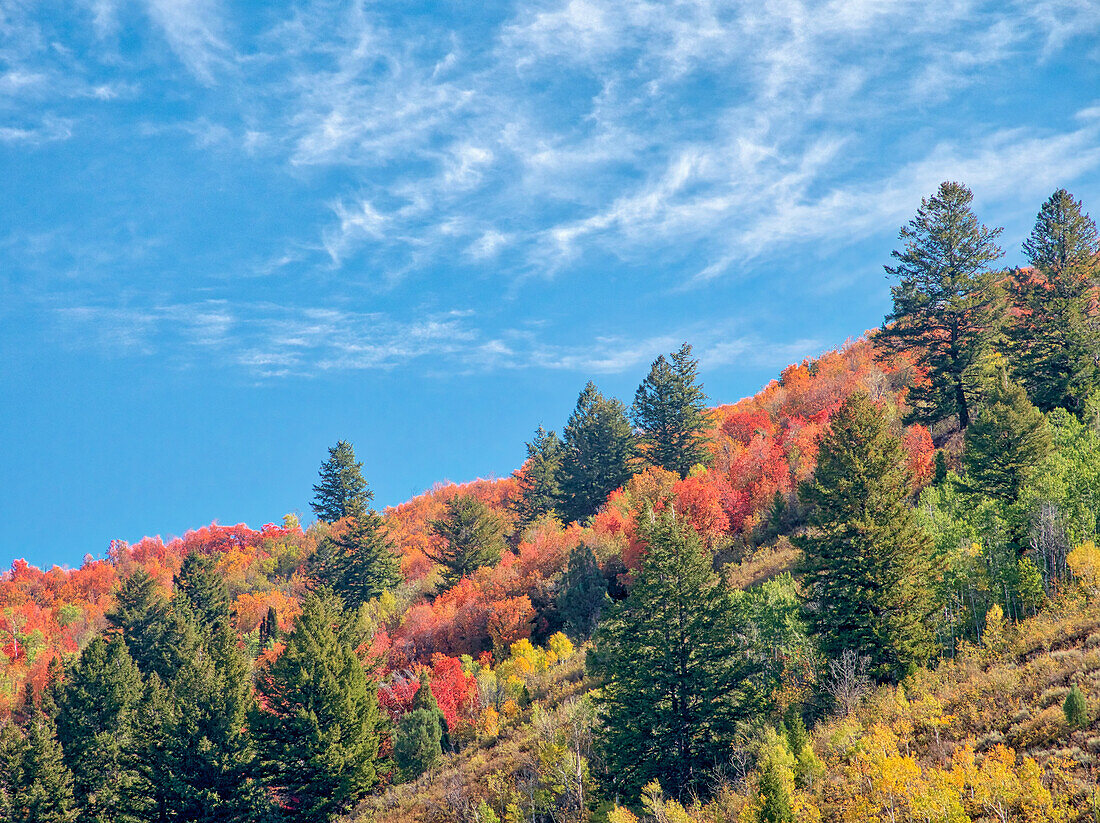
(417, 745)
(469, 536)
(342, 491)
(98, 727)
(669, 412)
(1007, 439)
(425, 699)
(45, 790)
(199, 752)
(599, 449)
(946, 304)
(318, 725)
(866, 566)
(203, 587)
(583, 594)
(1055, 335)
(540, 478)
(158, 638)
(775, 800)
(12, 745)
(269, 627)
(360, 563)
(668, 667)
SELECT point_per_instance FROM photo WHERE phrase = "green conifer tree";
(360, 562)
(669, 413)
(775, 800)
(668, 667)
(417, 746)
(98, 727)
(599, 451)
(469, 536)
(203, 587)
(540, 479)
(199, 751)
(583, 594)
(342, 491)
(947, 304)
(1076, 708)
(158, 638)
(425, 699)
(866, 566)
(318, 725)
(1007, 439)
(11, 766)
(269, 627)
(45, 790)
(1055, 335)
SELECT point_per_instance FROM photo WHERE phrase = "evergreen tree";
(946, 304)
(669, 670)
(45, 790)
(342, 491)
(1055, 336)
(99, 733)
(425, 699)
(12, 745)
(669, 412)
(775, 800)
(1007, 439)
(199, 751)
(599, 447)
(583, 595)
(203, 587)
(540, 478)
(867, 565)
(158, 638)
(1076, 708)
(360, 563)
(269, 627)
(417, 745)
(470, 536)
(318, 725)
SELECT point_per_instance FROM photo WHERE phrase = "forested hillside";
(869, 592)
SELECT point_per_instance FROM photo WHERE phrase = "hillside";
(869, 592)
(762, 447)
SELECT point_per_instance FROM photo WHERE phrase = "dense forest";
(871, 592)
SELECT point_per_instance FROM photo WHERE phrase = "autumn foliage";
(760, 449)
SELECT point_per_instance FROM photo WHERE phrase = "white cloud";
(192, 29)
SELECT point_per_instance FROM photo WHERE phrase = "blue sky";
(233, 233)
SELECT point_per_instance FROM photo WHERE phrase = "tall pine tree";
(669, 412)
(866, 565)
(99, 731)
(668, 667)
(583, 594)
(318, 724)
(469, 536)
(540, 478)
(1007, 439)
(199, 752)
(342, 491)
(947, 304)
(1055, 334)
(159, 639)
(599, 450)
(360, 563)
(35, 784)
(203, 587)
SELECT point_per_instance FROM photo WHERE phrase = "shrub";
(1076, 709)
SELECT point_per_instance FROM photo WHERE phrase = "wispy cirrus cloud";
(466, 157)
(271, 341)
